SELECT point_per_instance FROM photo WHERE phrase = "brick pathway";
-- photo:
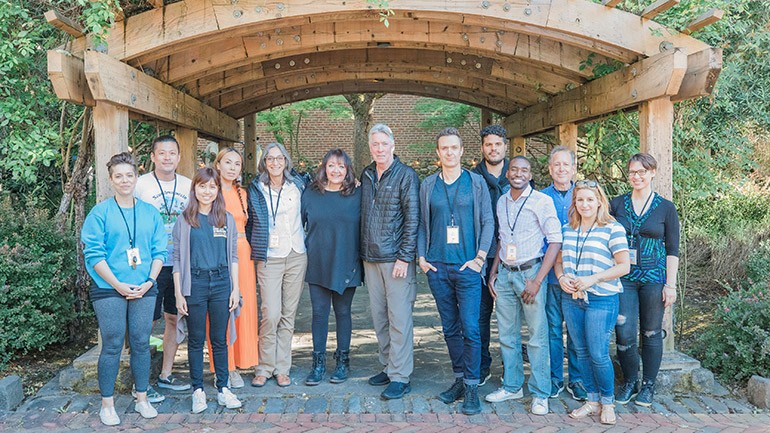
(356, 406)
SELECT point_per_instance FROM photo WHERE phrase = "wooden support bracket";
(56, 19)
(116, 82)
(68, 78)
(703, 69)
(651, 78)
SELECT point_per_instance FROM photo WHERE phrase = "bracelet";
(152, 280)
(560, 277)
(669, 286)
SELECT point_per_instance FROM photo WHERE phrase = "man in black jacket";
(389, 220)
(494, 166)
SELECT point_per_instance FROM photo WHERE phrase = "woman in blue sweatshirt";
(124, 247)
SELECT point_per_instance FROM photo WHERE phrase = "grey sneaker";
(578, 391)
(172, 383)
(152, 395)
(644, 398)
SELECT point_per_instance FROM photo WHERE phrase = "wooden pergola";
(201, 65)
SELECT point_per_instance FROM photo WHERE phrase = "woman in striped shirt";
(594, 256)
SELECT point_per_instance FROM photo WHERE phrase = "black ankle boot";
(343, 366)
(319, 368)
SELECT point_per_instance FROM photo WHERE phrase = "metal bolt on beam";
(507, 7)
(485, 4)
(237, 14)
(527, 11)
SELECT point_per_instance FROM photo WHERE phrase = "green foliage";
(29, 111)
(439, 114)
(36, 268)
(384, 10)
(736, 344)
(97, 17)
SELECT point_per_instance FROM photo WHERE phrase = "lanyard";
(130, 238)
(277, 202)
(454, 200)
(577, 243)
(162, 194)
(508, 214)
(637, 225)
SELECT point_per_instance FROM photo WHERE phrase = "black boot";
(471, 403)
(343, 366)
(454, 393)
(319, 368)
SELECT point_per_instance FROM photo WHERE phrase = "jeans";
(590, 325)
(553, 310)
(641, 304)
(321, 300)
(209, 294)
(510, 308)
(116, 316)
(458, 300)
(485, 317)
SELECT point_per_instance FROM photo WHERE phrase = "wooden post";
(566, 135)
(656, 126)
(518, 146)
(110, 138)
(486, 118)
(188, 146)
(250, 155)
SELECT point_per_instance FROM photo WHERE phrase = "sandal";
(608, 414)
(259, 381)
(283, 380)
(588, 409)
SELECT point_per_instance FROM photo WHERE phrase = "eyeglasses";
(640, 173)
(587, 183)
(279, 159)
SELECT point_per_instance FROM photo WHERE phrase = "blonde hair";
(603, 216)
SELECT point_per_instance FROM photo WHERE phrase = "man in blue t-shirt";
(562, 167)
(456, 228)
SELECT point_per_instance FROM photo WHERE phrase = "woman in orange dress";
(245, 349)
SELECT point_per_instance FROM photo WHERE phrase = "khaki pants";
(280, 285)
(392, 301)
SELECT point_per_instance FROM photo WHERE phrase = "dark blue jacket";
(257, 226)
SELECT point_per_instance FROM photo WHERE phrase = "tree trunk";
(362, 105)
(72, 209)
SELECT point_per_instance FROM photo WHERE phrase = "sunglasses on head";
(587, 183)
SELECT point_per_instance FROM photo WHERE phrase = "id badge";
(510, 253)
(134, 258)
(632, 256)
(220, 232)
(452, 235)
(275, 241)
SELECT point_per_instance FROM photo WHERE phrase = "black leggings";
(641, 305)
(322, 299)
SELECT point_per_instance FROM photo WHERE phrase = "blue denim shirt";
(562, 204)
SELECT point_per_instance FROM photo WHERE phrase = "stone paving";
(356, 406)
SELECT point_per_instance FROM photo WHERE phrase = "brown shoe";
(588, 409)
(259, 381)
(283, 380)
(608, 414)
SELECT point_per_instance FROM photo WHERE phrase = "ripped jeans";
(641, 305)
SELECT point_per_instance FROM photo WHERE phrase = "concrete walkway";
(356, 406)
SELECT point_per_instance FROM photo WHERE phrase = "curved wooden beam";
(518, 73)
(207, 58)
(576, 22)
(279, 98)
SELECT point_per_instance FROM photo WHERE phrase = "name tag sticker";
(275, 241)
(452, 235)
(220, 232)
(510, 253)
(134, 258)
(632, 256)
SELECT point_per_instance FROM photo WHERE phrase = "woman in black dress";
(331, 212)
(652, 231)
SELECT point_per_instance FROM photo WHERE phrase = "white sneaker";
(236, 381)
(109, 416)
(539, 406)
(502, 395)
(199, 401)
(228, 399)
(145, 409)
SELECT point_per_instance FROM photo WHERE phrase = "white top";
(148, 191)
(596, 249)
(287, 224)
(537, 221)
